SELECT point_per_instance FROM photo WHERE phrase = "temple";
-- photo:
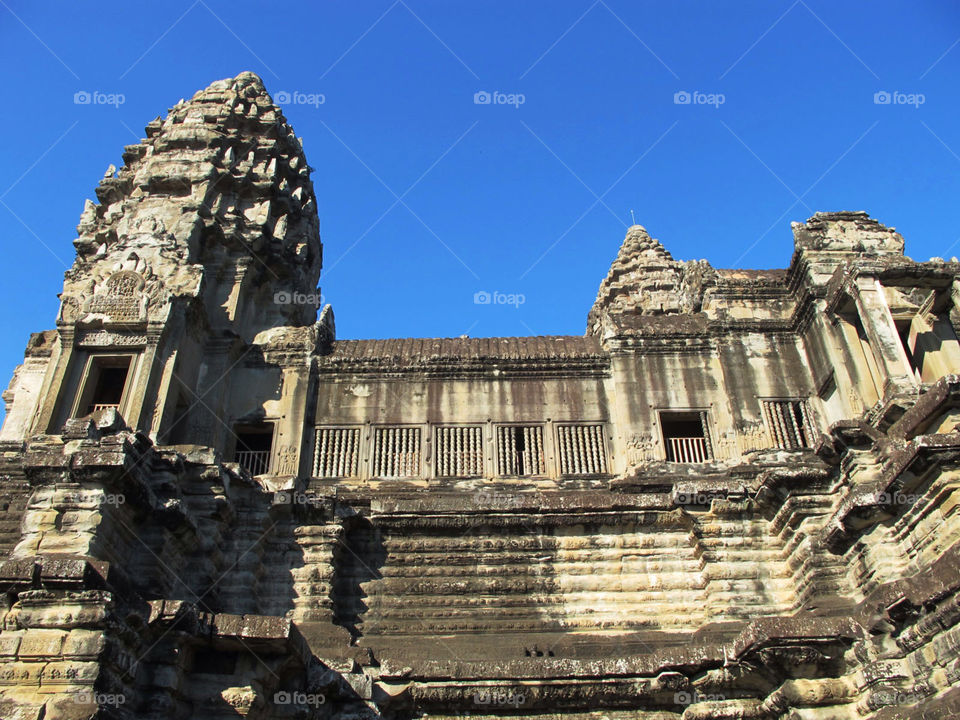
(735, 496)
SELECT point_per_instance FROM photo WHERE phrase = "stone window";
(459, 451)
(580, 450)
(106, 381)
(396, 452)
(520, 450)
(789, 422)
(686, 436)
(337, 452)
(254, 444)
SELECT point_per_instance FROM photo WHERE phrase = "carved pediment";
(124, 294)
(120, 299)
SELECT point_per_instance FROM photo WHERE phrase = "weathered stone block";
(10, 644)
(41, 644)
(86, 644)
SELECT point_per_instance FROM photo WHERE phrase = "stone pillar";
(292, 457)
(54, 395)
(884, 339)
(863, 390)
(140, 401)
(233, 305)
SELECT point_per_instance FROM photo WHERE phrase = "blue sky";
(528, 199)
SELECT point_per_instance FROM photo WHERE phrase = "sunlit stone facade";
(733, 497)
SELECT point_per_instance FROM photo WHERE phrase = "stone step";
(588, 600)
(543, 565)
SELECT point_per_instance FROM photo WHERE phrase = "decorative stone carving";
(846, 231)
(121, 299)
(106, 338)
(287, 460)
(641, 448)
(753, 436)
(69, 310)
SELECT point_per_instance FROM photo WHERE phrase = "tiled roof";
(550, 353)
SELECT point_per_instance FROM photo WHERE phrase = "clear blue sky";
(503, 198)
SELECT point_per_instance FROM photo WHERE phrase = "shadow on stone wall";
(358, 560)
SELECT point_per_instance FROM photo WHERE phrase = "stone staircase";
(532, 578)
(743, 564)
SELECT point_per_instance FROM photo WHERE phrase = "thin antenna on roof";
(633, 220)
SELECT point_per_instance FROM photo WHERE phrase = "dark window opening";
(685, 437)
(254, 443)
(106, 381)
(110, 386)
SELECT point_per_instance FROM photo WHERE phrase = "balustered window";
(396, 452)
(789, 422)
(520, 450)
(254, 444)
(580, 450)
(337, 452)
(686, 436)
(459, 451)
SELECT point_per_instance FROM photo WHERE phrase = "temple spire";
(644, 279)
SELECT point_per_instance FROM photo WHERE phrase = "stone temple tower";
(736, 495)
(201, 242)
